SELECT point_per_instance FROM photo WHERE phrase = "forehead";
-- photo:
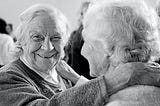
(44, 24)
(96, 28)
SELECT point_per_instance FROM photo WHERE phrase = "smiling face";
(42, 46)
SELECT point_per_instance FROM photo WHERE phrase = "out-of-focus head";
(41, 36)
(158, 7)
(9, 28)
(158, 12)
(117, 32)
(3, 25)
(83, 9)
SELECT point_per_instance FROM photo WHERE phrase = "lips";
(46, 56)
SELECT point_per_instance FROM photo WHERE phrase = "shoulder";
(136, 95)
(5, 37)
(10, 73)
(6, 40)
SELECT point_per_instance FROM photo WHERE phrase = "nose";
(86, 50)
(47, 45)
(83, 50)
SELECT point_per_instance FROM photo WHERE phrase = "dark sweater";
(20, 86)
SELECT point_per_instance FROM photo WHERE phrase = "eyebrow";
(39, 31)
(57, 33)
(32, 32)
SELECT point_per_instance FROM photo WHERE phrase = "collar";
(51, 76)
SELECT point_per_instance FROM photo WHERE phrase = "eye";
(38, 38)
(55, 39)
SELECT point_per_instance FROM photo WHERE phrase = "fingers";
(60, 67)
(63, 67)
(67, 72)
(62, 64)
(66, 66)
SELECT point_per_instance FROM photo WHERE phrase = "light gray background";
(10, 9)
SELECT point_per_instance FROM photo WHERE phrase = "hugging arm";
(15, 90)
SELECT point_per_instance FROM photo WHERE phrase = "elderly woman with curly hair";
(121, 37)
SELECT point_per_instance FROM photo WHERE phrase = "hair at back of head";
(134, 35)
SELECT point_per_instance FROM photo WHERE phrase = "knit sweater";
(140, 95)
(21, 86)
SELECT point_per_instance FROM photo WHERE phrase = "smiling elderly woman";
(41, 37)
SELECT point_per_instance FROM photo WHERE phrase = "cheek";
(34, 47)
(31, 48)
(88, 53)
(91, 55)
(57, 46)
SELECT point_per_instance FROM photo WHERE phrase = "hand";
(129, 74)
(64, 70)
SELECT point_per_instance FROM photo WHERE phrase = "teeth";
(48, 57)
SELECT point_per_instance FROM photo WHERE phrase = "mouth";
(46, 56)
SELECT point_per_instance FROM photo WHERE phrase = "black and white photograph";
(79, 52)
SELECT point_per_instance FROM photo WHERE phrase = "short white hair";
(40, 10)
(134, 35)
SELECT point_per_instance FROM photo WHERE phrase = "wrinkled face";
(94, 47)
(43, 43)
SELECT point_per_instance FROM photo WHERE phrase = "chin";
(96, 71)
(45, 65)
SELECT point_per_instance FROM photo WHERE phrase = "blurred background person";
(3, 26)
(6, 44)
(121, 37)
(73, 48)
(157, 7)
(9, 28)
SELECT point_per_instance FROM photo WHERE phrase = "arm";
(16, 91)
(129, 74)
(82, 80)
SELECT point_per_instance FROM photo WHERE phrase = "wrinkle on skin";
(43, 44)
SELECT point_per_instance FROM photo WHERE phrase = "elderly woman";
(31, 80)
(121, 37)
